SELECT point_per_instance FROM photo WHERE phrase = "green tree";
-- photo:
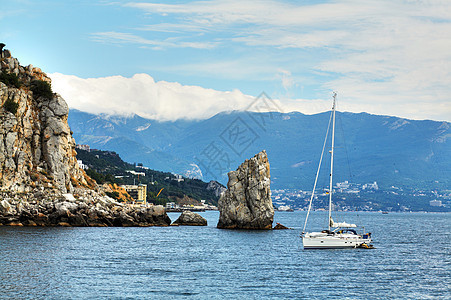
(99, 178)
(11, 106)
(10, 79)
(41, 89)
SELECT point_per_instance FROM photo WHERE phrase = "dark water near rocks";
(412, 261)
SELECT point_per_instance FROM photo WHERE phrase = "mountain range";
(388, 150)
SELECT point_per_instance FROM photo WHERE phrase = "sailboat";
(338, 234)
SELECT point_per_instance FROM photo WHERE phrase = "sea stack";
(247, 204)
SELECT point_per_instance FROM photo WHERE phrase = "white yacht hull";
(343, 236)
(335, 241)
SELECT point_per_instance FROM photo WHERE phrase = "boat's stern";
(366, 237)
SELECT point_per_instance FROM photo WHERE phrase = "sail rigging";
(318, 170)
(342, 236)
(332, 160)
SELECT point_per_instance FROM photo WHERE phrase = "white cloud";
(286, 78)
(382, 56)
(113, 37)
(166, 101)
(389, 57)
(143, 96)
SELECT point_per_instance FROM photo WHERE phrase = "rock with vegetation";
(247, 204)
(41, 183)
(190, 218)
(108, 167)
(117, 192)
(36, 145)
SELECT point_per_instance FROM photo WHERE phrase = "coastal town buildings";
(83, 147)
(436, 203)
(137, 192)
(82, 165)
(349, 196)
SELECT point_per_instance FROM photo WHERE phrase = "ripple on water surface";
(411, 261)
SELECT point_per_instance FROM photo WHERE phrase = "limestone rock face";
(41, 183)
(216, 187)
(190, 218)
(247, 204)
(36, 145)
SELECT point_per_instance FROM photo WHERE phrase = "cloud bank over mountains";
(164, 101)
(141, 95)
(169, 101)
(382, 56)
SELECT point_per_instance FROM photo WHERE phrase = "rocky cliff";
(216, 188)
(40, 180)
(246, 204)
(36, 145)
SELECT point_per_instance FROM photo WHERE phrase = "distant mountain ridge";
(392, 151)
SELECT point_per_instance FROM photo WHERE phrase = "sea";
(411, 260)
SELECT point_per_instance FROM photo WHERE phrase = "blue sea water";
(411, 261)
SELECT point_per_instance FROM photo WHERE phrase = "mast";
(332, 160)
(317, 174)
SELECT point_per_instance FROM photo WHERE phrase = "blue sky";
(165, 58)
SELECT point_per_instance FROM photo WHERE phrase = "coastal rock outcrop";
(51, 208)
(247, 204)
(280, 227)
(41, 183)
(216, 187)
(190, 218)
(36, 145)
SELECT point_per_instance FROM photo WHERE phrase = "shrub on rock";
(41, 89)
